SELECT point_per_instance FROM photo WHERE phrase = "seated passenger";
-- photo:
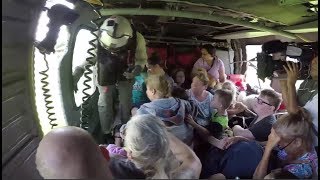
(235, 113)
(292, 135)
(154, 67)
(265, 106)
(233, 109)
(219, 120)
(139, 95)
(178, 92)
(158, 153)
(229, 85)
(211, 63)
(179, 78)
(200, 97)
(171, 111)
(116, 149)
(70, 153)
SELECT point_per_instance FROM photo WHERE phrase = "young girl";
(292, 136)
(172, 111)
(116, 149)
(179, 78)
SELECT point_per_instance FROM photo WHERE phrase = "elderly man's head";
(70, 153)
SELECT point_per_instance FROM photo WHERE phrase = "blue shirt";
(139, 95)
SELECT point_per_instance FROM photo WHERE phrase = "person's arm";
(284, 91)
(190, 162)
(240, 107)
(222, 73)
(141, 51)
(249, 112)
(292, 102)
(196, 65)
(78, 72)
(261, 170)
(232, 140)
(140, 58)
(239, 131)
(204, 133)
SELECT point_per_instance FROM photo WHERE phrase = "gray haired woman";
(158, 153)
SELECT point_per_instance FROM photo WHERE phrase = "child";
(117, 148)
(219, 120)
(170, 110)
(139, 95)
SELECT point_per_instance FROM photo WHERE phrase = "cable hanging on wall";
(84, 118)
(46, 94)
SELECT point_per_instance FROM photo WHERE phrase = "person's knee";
(217, 176)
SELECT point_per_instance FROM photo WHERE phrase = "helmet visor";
(109, 42)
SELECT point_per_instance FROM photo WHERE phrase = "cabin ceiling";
(293, 16)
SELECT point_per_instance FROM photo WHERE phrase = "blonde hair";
(228, 85)
(225, 96)
(202, 75)
(160, 83)
(297, 125)
(146, 138)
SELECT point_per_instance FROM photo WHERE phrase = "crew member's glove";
(76, 76)
(130, 75)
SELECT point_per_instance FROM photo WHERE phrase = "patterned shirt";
(204, 110)
(304, 166)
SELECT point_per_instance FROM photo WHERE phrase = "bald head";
(70, 153)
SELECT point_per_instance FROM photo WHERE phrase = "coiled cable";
(46, 95)
(84, 118)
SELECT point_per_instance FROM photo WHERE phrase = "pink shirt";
(213, 70)
(115, 150)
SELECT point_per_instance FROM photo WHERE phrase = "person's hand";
(273, 140)
(75, 86)
(230, 140)
(240, 107)
(292, 72)
(216, 142)
(128, 75)
(189, 119)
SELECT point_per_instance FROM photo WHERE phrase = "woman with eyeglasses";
(292, 137)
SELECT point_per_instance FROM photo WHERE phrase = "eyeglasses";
(260, 101)
(281, 148)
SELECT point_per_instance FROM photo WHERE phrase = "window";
(251, 74)
(54, 60)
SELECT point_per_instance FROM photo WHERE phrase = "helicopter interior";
(174, 28)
